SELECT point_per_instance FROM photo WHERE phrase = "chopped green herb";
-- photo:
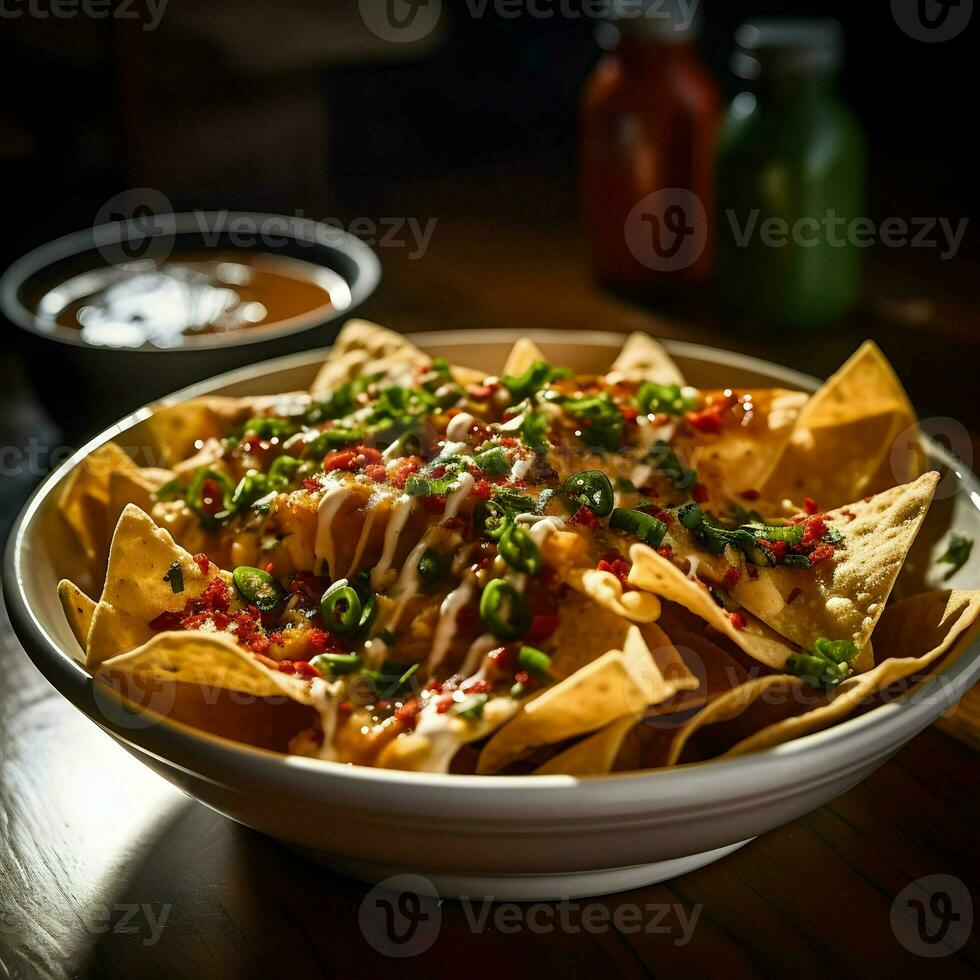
(538, 374)
(827, 665)
(175, 576)
(493, 461)
(957, 554)
(652, 398)
(602, 421)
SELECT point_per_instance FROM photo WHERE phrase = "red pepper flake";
(203, 562)
(732, 577)
(585, 517)
(778, 548)
(270, 568)
(737, 620)
(444, 704)
(629, 413)
(376, 472)
(503, 658)
(404, 469)
(749, 494)
(477, 687)
(482, 490)
(408, 713)
(793, 596)
(665, 551)
(435, 503)
(700, 493)
(821, 553)
(340, 459)
(814, 528)
(211, 496)
(616, 565)
(543, 624)
(810, 506)
(522, 677)
(319, 641)
(312, 484)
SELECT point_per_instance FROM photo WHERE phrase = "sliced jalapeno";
(504, 611)
(340, 608)
(519, 550)
(591, 489)
(258, 588)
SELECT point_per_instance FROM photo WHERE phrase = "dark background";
(89, 105)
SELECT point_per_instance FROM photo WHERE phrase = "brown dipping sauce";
(189, 294)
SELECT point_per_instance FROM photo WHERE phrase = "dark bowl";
(85, 387)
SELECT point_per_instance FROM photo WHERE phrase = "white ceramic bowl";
(531, 837)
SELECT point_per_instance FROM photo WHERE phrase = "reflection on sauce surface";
(189, 294)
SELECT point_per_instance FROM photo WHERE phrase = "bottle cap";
(788, 47)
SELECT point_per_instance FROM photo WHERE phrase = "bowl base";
(523, 887)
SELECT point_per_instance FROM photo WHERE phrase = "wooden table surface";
(106, 870)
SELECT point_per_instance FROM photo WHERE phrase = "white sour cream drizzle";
(400, 513)
(459, 427)
(330, 504)
(446, 627)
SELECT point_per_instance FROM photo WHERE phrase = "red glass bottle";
(649, 123)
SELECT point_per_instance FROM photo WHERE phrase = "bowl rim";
(888, 724)
(77, 243)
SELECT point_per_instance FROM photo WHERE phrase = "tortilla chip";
(79, 609)
(607, 591)
(916, 632)
(726, 719)
(437, 738)
(739, 459)
(135, 591)
(842, 598)
(654, 573)
(522, 355)
(600, 692)
(851, 426)
(84, 501)
(209, 661)
(643, 359)
(594, 755)
(363, 347)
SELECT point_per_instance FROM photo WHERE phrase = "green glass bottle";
(792, 179)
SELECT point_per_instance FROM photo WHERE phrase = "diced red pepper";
(211, 497)
(376, 472)
(482, 490)
(404, 469)
(585, 517)
(737, 620)
(203, 562)
(810, 506)
(821, 553)
(340, 459)
(814, 528)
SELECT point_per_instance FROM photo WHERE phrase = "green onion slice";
(430, 566)
(650, 530)
(518, 549)
(504, 611)
(591, 489)
(534, 661)
(336, 664)
(340, 608)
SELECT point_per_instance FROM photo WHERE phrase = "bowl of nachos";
(408, 605)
